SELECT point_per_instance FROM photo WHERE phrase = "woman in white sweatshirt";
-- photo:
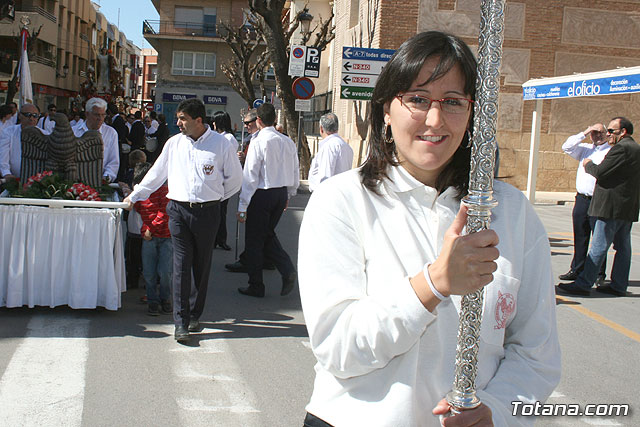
(383, 263)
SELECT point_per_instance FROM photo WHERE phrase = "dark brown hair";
(397, 77)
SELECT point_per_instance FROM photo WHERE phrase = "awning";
(610, 82)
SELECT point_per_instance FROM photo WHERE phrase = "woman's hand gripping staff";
(465, 264)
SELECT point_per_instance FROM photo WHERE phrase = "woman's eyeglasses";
(30, 115)
(416, 103)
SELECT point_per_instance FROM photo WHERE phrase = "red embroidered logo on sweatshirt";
(207, 169)
(504, 307)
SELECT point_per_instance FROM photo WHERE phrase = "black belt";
(584, 196)
(198, 205)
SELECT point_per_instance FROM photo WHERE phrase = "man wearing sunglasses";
(580, 149)
(10, 142)
(615, 204)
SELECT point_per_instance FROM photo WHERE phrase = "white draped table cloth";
(51, 257)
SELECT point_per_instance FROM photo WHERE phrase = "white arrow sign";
(362, 67)
(360, 80)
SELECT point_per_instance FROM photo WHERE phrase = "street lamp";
(305, 18)
(65, 72)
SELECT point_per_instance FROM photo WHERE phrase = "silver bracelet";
(438, 295)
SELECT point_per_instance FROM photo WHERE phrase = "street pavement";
(251, 365)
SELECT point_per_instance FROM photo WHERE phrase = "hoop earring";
(469, 142)
(388, 139)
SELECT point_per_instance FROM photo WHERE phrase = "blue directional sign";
(368, 54)
(582, 86)
(258, 102)
(360, 70)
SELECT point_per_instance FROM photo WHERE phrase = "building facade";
(190, 52)
(72, 34)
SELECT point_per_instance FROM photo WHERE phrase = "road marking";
(200, 405)
(44, 380)
(601, 319)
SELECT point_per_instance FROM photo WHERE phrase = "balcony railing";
(177, 28)
(37, 9)
(43, 60)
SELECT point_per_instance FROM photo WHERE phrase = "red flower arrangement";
(36, 178)
(47, 185)
(80, 191)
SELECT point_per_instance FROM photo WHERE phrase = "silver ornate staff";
(480, 199)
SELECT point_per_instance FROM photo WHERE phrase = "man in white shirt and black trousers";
(271, 176)
(585, 183)
(202, 169)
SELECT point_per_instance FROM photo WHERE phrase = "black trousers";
(260, 240)
(221, 235)
(312, 421)
(582, 229)
(193, 232)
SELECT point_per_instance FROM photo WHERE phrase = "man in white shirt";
(585, 183)
(14, 112)
(270, 177)
(334, 155)
(96, 111)
(11, 144)
(202, 170)
(46, 122)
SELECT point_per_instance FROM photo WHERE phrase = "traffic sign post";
(297, 59)
(149, 106)
(312, 62)
(303, 88)
(304, 61)
(360, 70)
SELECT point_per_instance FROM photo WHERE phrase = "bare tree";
(364, 38)
(277, 32)
(31, 42)
(245, 42)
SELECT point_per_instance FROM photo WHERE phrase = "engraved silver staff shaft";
(480, 199)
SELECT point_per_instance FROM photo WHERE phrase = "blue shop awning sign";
(611, 82)
(176, 97)
(215, 99)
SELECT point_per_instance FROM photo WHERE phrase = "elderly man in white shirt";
(334, 155)
(585, 183)
(96, 110)
(202, 170)
(270, 177)
(11, 143)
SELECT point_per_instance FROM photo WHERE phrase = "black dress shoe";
(223, 246)
(606, 289)
(181, 334)
(288, 283)
(236, 267)
(252, 291)
(570, 275)
(194, 325)
(572, 290)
